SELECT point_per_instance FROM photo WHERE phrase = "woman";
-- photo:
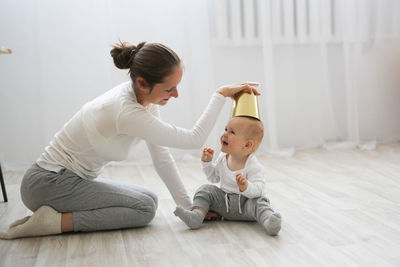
(61, 188)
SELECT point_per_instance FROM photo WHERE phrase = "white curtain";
(329, 69)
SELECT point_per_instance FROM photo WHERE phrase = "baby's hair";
(254, 130)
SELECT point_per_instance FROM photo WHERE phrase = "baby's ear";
(249, 144)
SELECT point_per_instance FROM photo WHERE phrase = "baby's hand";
(208, 154)
(241, 182)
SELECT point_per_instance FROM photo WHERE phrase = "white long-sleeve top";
(218, 172)
(106, 128)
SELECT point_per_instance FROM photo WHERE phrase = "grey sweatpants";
(98, 204)
(232, 206)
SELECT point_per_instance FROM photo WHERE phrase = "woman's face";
(162, 92)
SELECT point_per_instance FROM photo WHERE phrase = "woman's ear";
(142, 85)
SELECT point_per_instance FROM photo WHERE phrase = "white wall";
(61, 60)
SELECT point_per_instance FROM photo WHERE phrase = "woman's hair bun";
(123, 54)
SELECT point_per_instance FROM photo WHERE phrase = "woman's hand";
(232, 89)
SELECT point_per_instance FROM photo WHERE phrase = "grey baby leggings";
(232, 206)
(98, 204)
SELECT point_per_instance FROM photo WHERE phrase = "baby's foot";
(273, 224)
(192, 218)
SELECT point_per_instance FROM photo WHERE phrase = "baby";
(240, 195)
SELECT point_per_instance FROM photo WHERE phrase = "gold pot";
(245, 104)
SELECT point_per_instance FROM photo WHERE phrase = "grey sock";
(192, 218)
(273, 224)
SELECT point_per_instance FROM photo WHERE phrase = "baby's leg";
(204, 198)
(265, 215)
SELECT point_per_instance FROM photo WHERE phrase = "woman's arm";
(139, 122)
(167, 170)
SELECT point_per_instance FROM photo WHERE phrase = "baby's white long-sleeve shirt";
(218, 172)
(106, 128)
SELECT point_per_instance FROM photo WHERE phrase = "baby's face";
(233, 140)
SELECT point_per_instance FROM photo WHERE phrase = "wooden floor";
(339, 208)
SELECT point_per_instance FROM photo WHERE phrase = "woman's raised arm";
(139, 122)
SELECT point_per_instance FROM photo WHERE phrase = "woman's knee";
(154, 197)
(148, 209)
(140, 214)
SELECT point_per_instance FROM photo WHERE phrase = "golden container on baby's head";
(246, 104)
